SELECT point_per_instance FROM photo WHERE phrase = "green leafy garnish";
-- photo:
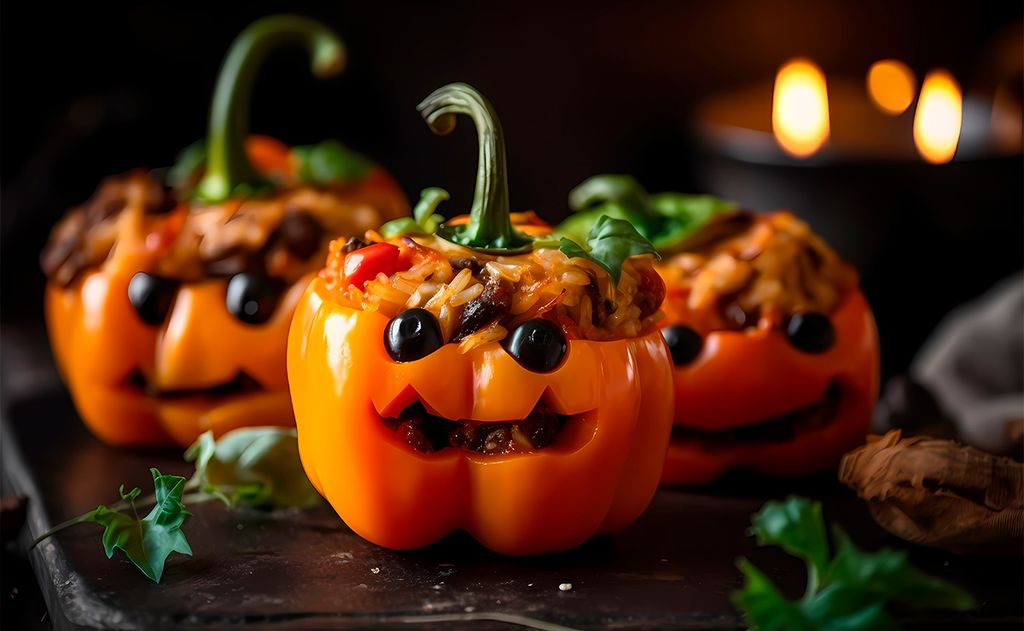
(255, 467)
(330, 161)
(846, 591)
(610, 242)
(665, 219)
(187, 165)
(147, 542)
(423, 220)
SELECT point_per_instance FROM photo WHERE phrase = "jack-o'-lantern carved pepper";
(168, 304)
(475, 376)
(775, 348)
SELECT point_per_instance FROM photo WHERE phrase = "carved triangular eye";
(252, 298)
(412, 335)
(152, 296)
(538, 345)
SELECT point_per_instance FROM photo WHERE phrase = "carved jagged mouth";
(780, 429)
(427, 433)
(241, 384)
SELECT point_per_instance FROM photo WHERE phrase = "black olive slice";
(811, 332)
(412, 335)
(151, 296)
(252, 298)
(538, 345)
(683, 343)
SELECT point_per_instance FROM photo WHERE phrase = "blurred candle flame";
(891, 86)
(800, 108)
(938, 118)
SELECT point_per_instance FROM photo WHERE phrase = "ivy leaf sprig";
(846, 591)
(255, 467)
(423, 220)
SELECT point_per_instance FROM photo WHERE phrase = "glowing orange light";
(800, 108)
(891, 86)
(938, 117)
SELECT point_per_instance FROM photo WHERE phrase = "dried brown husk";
(940, 493)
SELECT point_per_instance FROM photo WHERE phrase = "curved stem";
(490, 227)
(228, 170)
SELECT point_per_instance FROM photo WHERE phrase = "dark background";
(582, 88)
(91, 89)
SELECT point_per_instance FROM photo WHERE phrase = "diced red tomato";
(364, 264)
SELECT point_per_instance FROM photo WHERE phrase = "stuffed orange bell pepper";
(479, 375)
(168, 301)
(775, 349)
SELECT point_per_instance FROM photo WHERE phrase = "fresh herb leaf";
(799, 528)
(185, 172)
(684, 216)
(765, 607)
(423, 220)
(147, 542)
(329, 162)
(887, 573)
(257, 467)
(845, 592)
(665, 219)
(610, 242)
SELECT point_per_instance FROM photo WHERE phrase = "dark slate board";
(674, 568)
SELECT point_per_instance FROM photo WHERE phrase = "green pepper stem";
(228, 170)
(490, 226)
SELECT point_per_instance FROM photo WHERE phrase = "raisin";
(493, 303)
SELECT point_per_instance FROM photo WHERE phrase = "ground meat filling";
(427, 433)
(493, 303)
(777, 430)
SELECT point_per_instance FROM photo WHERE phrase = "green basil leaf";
(685, 215)
(423, 220)
(599, 189)
(609, 244)
(253, 466)
(329, 162)
(185, 172)
(665, 219)
(399, 227)
(147, 542)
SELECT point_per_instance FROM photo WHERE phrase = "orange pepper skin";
(598, 476)
(743, 377)
(99, 341)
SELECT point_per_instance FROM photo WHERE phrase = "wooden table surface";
(674, 568)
